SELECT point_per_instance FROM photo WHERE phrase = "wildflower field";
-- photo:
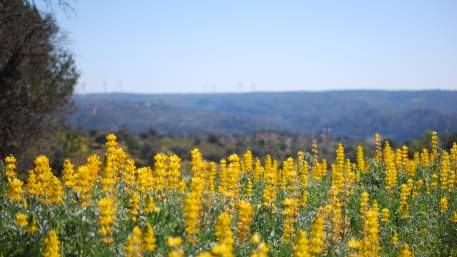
(395, 203)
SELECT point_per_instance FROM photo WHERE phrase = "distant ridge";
(399, 115)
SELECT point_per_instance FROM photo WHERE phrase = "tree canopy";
(37, 75)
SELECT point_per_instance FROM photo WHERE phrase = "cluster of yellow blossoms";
(225, 199)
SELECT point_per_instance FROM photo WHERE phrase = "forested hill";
(398, 115)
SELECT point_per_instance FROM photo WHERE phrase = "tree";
(37, 76)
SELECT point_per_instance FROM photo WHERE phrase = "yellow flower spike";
(15, 192)
(301, 247)
(394, 239)
(107, 215)
(134, 206)
(363, 205)
(68, 174)
(405, 251)
(150, 206)
(10, 165)
(43, 184)
(247, 161)
(290, 213)
(51, 245)
(269, 193)
(32, 227)
(84, 185)
(370, 242)
(454, 217)
(378, 144)
(224, 235)
(249, 188)
(425, 158)
(149, 239)
(261, 249)
(317, 235)
(129, 175)
(175, 243)
(435, 144)
(444, 171)
(355, 247)
(22, 219)
(245, 212)
(361, 164)
(314, 153)
(258, 170)
(444, 205)
(404, 206)
(134, 244)
(385, 215)
(192, 215)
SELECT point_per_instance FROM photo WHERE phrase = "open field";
(394, 203)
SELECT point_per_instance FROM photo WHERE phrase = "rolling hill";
(399, 115)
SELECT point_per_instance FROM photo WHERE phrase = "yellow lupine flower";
(84, 185)
(32, 227)
(129, 174)
(175, 243)
(378, 152)
(269, 193)
(212, 176)
(404, 206)
(394, 239)
(247, 161)
(51, 245)
(370, 242)
(363, 205)
(290, 213)
(355, 247)
(149, 239)
(262, 249)
(444, 204)
(361, 164)
(107, 215)
(134, 206)
(134, 244)
(301, 247)
(425, 158)
(385, 215)
(435, 144)
(454, 217)
(15, 191)
(391, 174)
(444, 171)
(10, 165)
(192, 214)
(22, 219)
(43, 184)
(314, 153)
(245, 211)
(150, 206)
(336, 220)
(224, 235)
(405, 251)
(68, 174)
(317, 235)
(258, 170)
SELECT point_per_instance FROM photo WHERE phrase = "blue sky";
(237, 46)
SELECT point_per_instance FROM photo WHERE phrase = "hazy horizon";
(238, 46)
(268, 91)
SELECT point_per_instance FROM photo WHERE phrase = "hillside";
(399, 115)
